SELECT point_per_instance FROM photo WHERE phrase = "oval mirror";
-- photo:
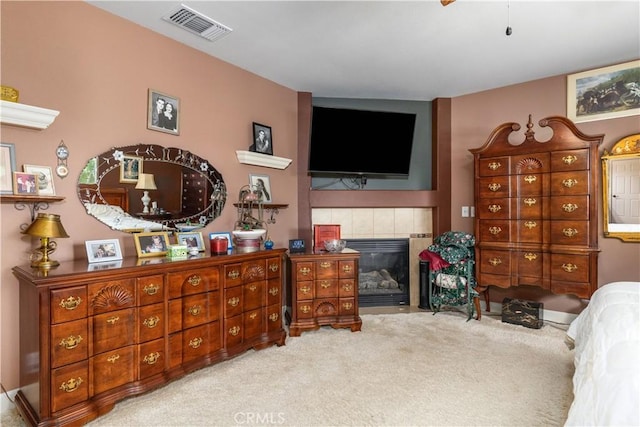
(621, 189)
(150, 187)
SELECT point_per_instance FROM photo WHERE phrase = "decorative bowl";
(335, 245)
(249, 234)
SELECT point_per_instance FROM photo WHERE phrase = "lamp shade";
(46, 225)
(146, 181)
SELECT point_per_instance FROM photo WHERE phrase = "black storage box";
(521, 312)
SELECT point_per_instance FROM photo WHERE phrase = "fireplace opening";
(383, 275)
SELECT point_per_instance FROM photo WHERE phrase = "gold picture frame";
(130, 168)
(151, 244)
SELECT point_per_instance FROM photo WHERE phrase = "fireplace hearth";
(383, 272)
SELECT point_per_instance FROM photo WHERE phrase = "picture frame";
(25, 184)
(7, 167)
(262, 139)
(103, 250)
(191, 239)
(604, 93)
(262, 185)
(151, 244)
(213, 235)
(45, 179)
(130, 168)
(158, 116)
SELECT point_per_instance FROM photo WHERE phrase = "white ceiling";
(417, 50)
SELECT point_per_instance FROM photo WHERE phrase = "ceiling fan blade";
(446, 2)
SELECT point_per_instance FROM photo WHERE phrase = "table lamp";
(146, 182)
(45, 226)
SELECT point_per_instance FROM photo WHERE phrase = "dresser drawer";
(346, 288)
(326, 288)
(69, 385)
(346, 269)
(253, 323)
(254, 295)
(150, 289)
(233, 331)
(326, 269)
(274, 318)
(196, 342)
(232, 275)
(109, 296)
(151, 321)
(570, 160)
(69, 343)
(112, 369)
(233, 302)
(347, 306)
(494, 231)
(274, 267)
(570, 208)
(575, 233)
(494, 262)
(495, 187)
(530, 207)
(274, 295)
(304, 310)
(193, 282)
(570, 268)
(570, 183)
(151, 358)
(305, 290)
(325, 307)
(529, 263)
(195, 310)
(498, 208)
(304, 271)
(68, 304)
(530, 163)
(494, 166)
(530, 230)
(530, 184)
(113, 330)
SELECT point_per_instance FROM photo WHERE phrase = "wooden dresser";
(91, 335)
(536, 209)
(324, 291)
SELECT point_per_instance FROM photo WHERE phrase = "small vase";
(268, 244)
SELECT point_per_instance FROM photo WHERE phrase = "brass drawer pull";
(234, 330)
(494, 165)
(347, 306)
(151, 322)
(305, 289)
(274, 291)
(347, 286)
(71, 342)
(71, 303)
(71, 385)
(495, 230)
(112, 320)
(274, 267)
(569, 159)
(569, 182)
(305, 309)
(195, 310)
(304, 271)
(113, 358)
(494, 208)
(347, 268)
(530, 256)
(569, 207)
(569, 232)
(325, 284)
(274, 317)
(151, 358)
(530, 201)
(530, 224)
(151, 289)
(495, 261)
(253, 287)
(233, 302)
(194, 280)
(529, 179)
(325, 264)
(253, 315)
(196, 342)
(233, 274)
(569, 268)
(494, 186)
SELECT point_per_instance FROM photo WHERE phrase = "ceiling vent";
(197, 23)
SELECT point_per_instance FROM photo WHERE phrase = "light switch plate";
(465, 211)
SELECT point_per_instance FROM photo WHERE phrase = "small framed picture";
(151, 244)
(25, 184)
(225, 235)
(130, 168)
(262, 186)
(163, 112)
(7, 167)
(45, 179)
(262, 139)
(103, 250)
(191, 240)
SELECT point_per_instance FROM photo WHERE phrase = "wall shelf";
(16, 114)
(34, 203)
(272, 209)
(264, 160)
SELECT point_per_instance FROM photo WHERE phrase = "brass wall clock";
(62, 152)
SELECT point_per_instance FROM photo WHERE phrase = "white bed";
(606, 335)
(116, 218)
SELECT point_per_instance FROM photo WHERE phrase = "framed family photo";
(45, 179)
(163, 112)
(262, 186)
(191, 240)
(151, 244)
(103, 250)
(7, 167)
(25, 184)
(130, 168)
(604, 93)
(262, 139)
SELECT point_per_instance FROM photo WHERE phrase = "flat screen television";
(360, 143)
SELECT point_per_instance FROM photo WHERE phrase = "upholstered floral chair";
(452, 280)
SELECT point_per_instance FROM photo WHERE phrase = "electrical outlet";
(465, 211)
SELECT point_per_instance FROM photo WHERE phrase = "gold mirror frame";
(628, 148)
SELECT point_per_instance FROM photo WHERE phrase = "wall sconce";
(146, 182)
(45, 226)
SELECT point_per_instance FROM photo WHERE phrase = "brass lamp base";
(45, 264)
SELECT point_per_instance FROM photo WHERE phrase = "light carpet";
(406, 369)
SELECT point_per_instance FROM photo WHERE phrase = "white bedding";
(606, 383)
(118, 219)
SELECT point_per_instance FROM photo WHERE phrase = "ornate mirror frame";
(193, 181)
(626, 150)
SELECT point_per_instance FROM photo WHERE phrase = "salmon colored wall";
(475, 116)
(96, 68)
